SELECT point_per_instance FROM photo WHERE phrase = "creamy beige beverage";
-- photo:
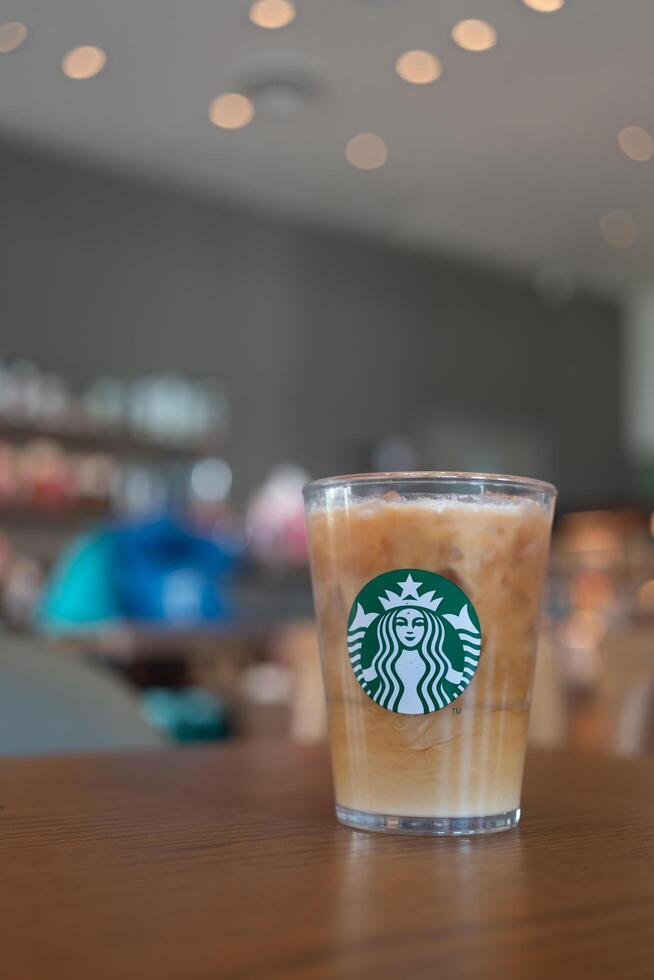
(403, 744)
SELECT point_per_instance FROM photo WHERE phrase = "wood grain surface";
(211, 863)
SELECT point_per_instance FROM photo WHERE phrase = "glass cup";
(427, 589)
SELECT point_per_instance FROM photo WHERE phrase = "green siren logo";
(414, 640)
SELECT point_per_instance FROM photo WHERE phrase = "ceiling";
(511, 156)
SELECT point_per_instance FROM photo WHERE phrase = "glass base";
(383, 823)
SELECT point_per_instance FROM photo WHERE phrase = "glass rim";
(422, 476)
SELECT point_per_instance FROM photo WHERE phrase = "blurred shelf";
(259, 607)
(66, 519)
(121, 443)
(125, 642)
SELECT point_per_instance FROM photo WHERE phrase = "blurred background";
(245, 244)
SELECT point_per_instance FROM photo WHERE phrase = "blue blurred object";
(168, 574)
(156, 572)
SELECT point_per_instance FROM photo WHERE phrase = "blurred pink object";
(275, 518)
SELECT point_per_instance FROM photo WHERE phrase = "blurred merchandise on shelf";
(597, 646)
(190, 715)
(119, 450)
(130, 447)
(42, 474)
(295, 645)
(120, 535)
(275, 519)
(601, 563)
(209, 485)
(21, 588)
(166, 409)
(154, 572)
(169, 574)
(263, 699)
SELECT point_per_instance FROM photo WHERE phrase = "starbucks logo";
(414, 641)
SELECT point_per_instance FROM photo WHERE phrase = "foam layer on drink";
(467, 758)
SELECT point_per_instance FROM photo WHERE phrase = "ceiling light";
(418, 67)
(12, 35)
(367, 151)
(636, 143)
(272, 13)
(474, 35)
(231, 111)
(544, 6)
(84, 62)
(619, 229)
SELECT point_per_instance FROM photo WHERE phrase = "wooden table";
(211, 863)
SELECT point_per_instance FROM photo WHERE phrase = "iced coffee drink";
(427, 590)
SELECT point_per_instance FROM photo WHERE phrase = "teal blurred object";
(81, 593)
(190, 715)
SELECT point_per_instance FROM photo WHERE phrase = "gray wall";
(325, 342)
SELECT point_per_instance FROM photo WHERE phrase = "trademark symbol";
(456, 711)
